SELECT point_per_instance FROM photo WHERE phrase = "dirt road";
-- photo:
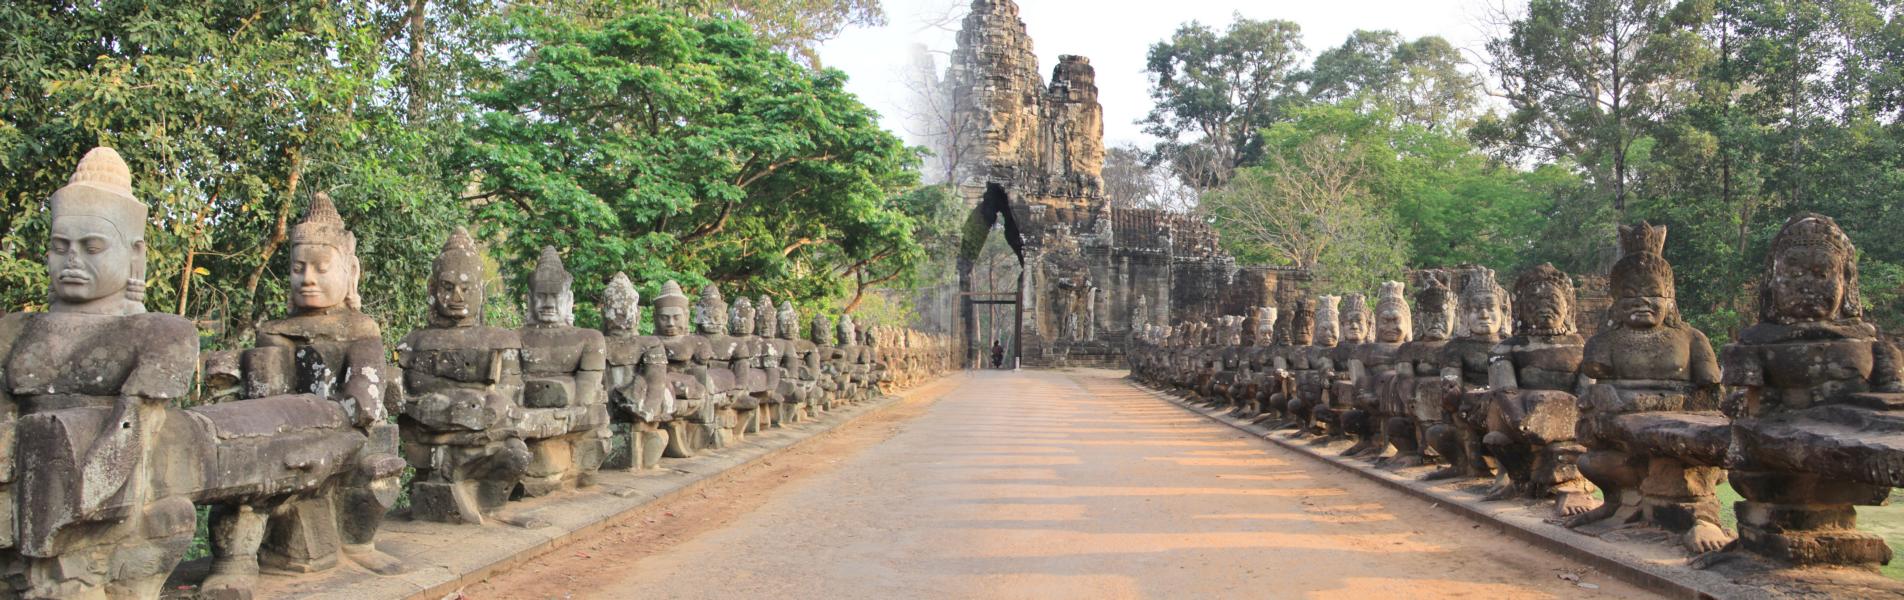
(1041, 484)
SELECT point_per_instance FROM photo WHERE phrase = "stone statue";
(635, 379)
(1532, 408)
(1372, 368)
(1483, 308)
(751, 401)
(828, 357)
(855, 362)
(565, 410)
(1412, 400)
(330, 348)
(463, 384)
(1650, 416)
(1338, 398)
(696, 422)
(1312, 384)
(774, 361)
(1288, 364)
(96, 364)
(727, 365)
(800, 383)
(91, 388)
(1814, 396)
(1258, 362)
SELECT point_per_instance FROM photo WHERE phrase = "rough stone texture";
(1650, 419)
(1039, 149)
(1818, 421)
(1531, 379)
(1811, 424)
(102, 467)
(564, 406)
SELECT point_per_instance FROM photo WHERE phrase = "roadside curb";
(442, 559)
(1666, 577)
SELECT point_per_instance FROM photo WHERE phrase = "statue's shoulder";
(165, 327)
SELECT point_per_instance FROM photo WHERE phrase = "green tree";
(1421, 82)
(1587, 79)
(676, 147)
(1214, 91)
(230, 115)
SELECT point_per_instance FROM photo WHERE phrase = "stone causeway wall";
(300, 446)
(1590, 408)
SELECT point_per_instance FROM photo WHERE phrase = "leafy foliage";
(676, 148)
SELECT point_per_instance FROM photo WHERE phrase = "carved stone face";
(1354, 328)
(1642, 312)
(1388, 326)
(1808, 283)
(1436, 325)
(550, 306)
(1326, 336)
(1548, 308)
(618, 317)
(1484, 315)
(89, 263)
(321, 276)
(671, 321)
(712, 321)
(1302, 328)
(456, 296)
(742, 321)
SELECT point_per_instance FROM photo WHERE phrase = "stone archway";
(993, 208)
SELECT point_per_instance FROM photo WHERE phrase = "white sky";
(1116, 35)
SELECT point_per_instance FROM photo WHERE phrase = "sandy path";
(1046, 485)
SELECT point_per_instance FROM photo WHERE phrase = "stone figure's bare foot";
(1706, 537)
(1573, 504)
(1604, 512)
(1502, 490)
(1358, 448)
(369, 557)
(1448, 472)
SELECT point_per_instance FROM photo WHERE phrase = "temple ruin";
(1091, 270)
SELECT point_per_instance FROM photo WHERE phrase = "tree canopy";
(665, 139)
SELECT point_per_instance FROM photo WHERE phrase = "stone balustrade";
(1803, 413)
(298, 445)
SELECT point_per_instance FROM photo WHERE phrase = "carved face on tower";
(621, 306)
(1354, 319)
(456, 283)
(740, 319)
(551, 297)
(95, 259)
(324, 267)
(1484, 308)
(671, 311)
(1392, 319)
(710, 312)
(1813, 276)
(1543, 302)
(1328, 331)
(1434, 308)
(789, 321)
